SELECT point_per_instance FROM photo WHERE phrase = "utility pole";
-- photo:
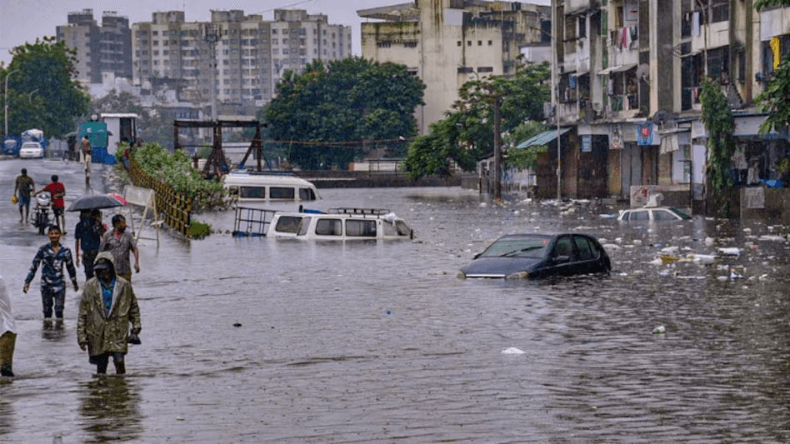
(555, 88)
(497, 151)
(5, 102)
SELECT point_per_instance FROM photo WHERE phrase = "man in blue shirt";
(53, 282)
(88, 236)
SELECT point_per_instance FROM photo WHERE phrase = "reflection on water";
(110, 409)
(54, 331)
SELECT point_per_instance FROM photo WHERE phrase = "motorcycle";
(42, 211)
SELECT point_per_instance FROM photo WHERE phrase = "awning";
(612, 69)
(543, 138)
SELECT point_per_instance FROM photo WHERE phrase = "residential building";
(100, 48)
(629, 76)
(243, 56)
(449, 42)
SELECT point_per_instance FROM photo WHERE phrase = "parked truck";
(12, 144)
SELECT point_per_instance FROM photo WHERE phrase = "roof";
(543, 138)
(622, 68)
(403, 12)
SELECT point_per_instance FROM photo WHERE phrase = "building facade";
(449, 42)
(100, 48)
(628, 82)
(243, 56)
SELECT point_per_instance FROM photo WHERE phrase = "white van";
(268, 187)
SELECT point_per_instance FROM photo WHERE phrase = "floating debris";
(512, 351)
(660, 330)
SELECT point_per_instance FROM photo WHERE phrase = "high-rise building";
(449, 42)
(105, 48)
(242, 55)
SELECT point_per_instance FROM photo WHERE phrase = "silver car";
(652, 214)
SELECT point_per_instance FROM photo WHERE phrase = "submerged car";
(31, 150)
(653, 214)
(534, 256)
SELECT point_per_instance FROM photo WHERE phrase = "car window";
(329, 227)
(564, 247)
(282, 193)
(306, 194)
(640, 215)
(583, 247)
(360, 228)
(595, 248)
(253, 192)
(680, 214)
(288, 224)
(534, 247)
(663, 215)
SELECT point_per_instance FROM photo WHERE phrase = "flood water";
(263, 340)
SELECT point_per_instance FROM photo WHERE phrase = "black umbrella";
(95, 202)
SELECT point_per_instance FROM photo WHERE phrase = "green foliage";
(467, 133)
(347, 100)
(176, 170)
(436, 152)
(775, 99)
(198, 230)
(760, 4)
(718, 118)
(41, 93)
(526, 158)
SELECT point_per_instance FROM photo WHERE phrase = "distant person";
(7, 333)
(120, 243)
(107, 307)
(23, 187)
(52, 257)
(87, 235)
(87, 150)
(58, 191)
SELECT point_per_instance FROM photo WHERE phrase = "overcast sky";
(22, 21)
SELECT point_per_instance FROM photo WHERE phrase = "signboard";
(617, 138)
(587, 143)
(644, 134)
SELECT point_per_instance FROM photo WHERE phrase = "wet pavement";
(263, 340)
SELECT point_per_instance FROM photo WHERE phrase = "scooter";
(42, 211)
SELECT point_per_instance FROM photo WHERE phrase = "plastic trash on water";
(730, 251)
(704, 259)
(735, 275)
(512, 351)
(660, 330)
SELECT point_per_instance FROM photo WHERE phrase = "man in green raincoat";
(107, 308)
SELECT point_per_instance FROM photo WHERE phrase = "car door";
(585, 258)
(563, 257)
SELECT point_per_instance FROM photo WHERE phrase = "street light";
(5, 102)
(555, 87)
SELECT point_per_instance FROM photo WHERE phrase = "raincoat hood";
(108, 256)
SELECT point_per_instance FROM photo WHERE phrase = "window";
(583, 246)
(640, 215)
(361, 228)
(385, 44)
(252, 192)
(329, 227)
(288, 224)
(281, 193)
(306, 194)
(479, 43)
(563, 247)
(663, 215)
(409, 44)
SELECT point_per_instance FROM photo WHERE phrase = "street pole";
(555, 88)
(497, 153)
(5, 102)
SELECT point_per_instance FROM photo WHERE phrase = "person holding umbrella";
(88, 234)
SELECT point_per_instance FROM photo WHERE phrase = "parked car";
(533, 256)
(31, 150)
(652, 214)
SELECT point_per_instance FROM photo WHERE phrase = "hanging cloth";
(695, 24)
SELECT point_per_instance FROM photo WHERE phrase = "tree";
(718, 119)
(775, 99)
(760, 4)
(332, 112)
(42, 93)
(466, 134)
(525, 158)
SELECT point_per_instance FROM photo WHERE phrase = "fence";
(175, 208)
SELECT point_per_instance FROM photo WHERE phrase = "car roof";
(542, 235)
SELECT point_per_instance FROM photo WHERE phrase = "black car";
(533, 256)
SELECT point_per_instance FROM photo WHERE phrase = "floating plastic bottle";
(660, 330)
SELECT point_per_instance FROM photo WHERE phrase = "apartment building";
(629, 76)
(449, 42)
(243, 56)
(100, 48)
